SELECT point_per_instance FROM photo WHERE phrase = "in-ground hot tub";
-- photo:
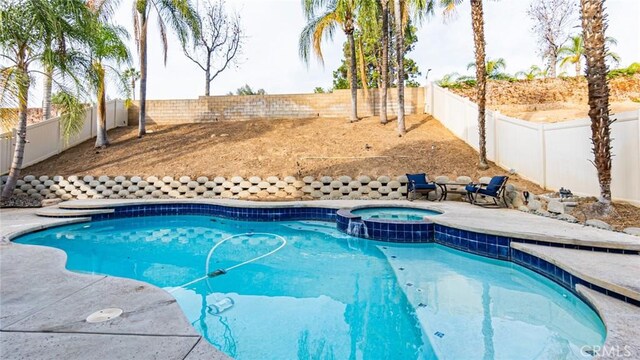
(393, 213)
(391, 224)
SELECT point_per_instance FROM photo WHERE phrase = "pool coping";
(12, 232)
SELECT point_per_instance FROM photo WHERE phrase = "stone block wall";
(236, 187)
(289, 106)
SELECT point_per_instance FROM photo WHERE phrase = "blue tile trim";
(238, 213)
(562, 277)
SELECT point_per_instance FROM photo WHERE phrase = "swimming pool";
(325, 294)
(393, 213)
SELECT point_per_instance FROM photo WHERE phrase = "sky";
(270, 57)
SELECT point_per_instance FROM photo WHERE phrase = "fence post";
(638, 180)
(495, 116)
(543, 156)
(59, 137)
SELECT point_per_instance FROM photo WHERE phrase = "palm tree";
(132, 75)
(106, 47)
(403, 9)
(25, 28)
(534, 72)
(384, 73)
(477, 24)
(180, 15)
(398, 10)
(595, 49)
(495, 68)
(574, 52)
(333, 13)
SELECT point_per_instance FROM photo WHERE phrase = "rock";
(236, 180)
(523, 208)
(534, 205)
(556, 207)
(272, 180)
(543, 212)
(485, 180)
(50, 202)
(598, 224)
(567, 218)
(364, 179)
(441, 179)
(463, 179)
(632, 231)
(182, 179)
(308, 179)
(384, 179)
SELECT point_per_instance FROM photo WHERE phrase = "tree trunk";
(553, 64)
(400, 63)
(143, 75)
(207, 73)
(477, 22)
(133, 88)
(101, 129)
(354, 78)
(21, 134)
(593, 28)
(46, 100)
(578, 67)
(385, 62)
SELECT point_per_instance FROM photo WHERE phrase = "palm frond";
(72, 113)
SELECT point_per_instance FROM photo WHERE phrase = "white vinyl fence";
(44, 139)
(552, 155)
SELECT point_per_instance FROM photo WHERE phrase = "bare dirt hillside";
(551, 100)
(281, 147)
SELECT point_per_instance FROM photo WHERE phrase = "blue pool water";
(326, 295)
(393, 213)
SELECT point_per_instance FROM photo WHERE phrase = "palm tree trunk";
(101, 133)
(578, 67)
(354, 78)
(21, 134)
(400, 70)
(593, 28)
(477, 22)
(133, 88)
(46, 99)
(385, 62)
(143, 75)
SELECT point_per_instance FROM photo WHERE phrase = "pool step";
(616, 273)
(63, 213)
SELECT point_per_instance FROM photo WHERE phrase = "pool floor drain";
(104, 315)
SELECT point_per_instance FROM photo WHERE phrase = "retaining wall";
(290, 106)
(252, 188)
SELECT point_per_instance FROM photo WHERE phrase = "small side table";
(454, 188)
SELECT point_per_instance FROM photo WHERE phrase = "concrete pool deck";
(46, 317)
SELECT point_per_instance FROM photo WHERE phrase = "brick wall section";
(254, 107)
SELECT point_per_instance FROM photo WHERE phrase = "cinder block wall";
(254, 107)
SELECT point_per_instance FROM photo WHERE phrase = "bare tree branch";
(553, 19)
(219, 42)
